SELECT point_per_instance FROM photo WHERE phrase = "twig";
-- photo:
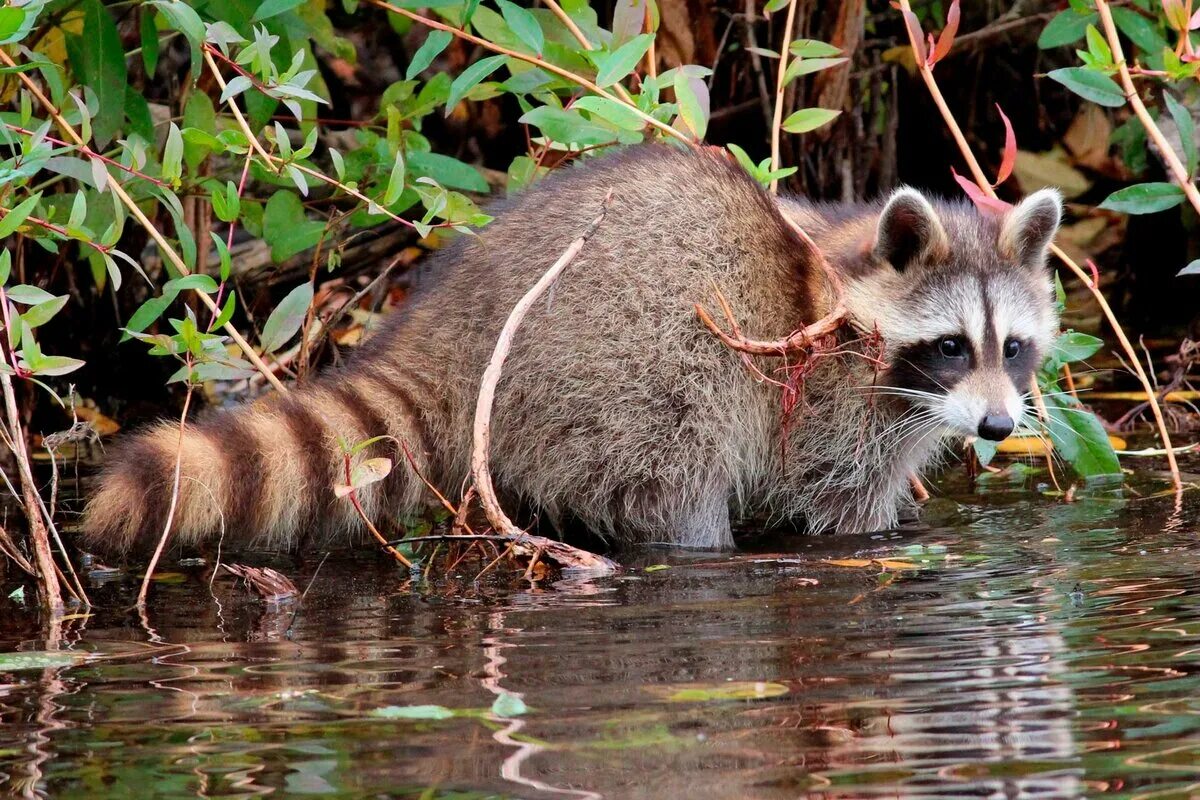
(522, 542)
(777, 122)
(133, 208)
(166, 534)
(48, 587)
(304, 594)
(1092, 285)
(581, 37)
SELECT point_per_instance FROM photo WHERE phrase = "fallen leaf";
(1049, 170)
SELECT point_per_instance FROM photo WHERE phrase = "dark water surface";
(1016, 646)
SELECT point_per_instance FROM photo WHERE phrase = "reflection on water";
(1035, 650)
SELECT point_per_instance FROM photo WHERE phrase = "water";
(1015, 647)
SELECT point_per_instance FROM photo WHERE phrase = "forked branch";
(799, 342)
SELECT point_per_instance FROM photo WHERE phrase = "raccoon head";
(965, 305)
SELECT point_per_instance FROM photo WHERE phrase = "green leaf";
(172, 160)
(225, 202)
(567, 127)
(1140, 30)
(149, 34)
(147, 313)
(287, 318)
(1090, 85)
(42, 313)
(395, 186)
(192, 283)
(1187, 131)
(508, 705)
(183, 18)
(470, 78)
(271, 8)
(1073, 346)
(523, 24)
(692, 107)
(811, 48)
(17, 215)
(412, 712)
(11, 20)
(804, 66)
(611, 111)
(448, 171)
(286, 229)
(1066, 28)
(1080, 439)
(226, 311)
(102, 69)
(28, 295)
(622, 61)
(53, 366)
(431, 48)
(1144, 198)
(1097, 47)
(807, 119)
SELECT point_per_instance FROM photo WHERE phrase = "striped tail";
(264, 472)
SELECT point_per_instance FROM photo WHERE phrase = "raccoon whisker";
(936, 382)
(906, 425)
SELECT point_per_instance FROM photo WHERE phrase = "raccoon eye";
(951, 347)
(1012, 349)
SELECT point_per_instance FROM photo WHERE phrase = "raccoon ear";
(909, 229)
(1030, 227)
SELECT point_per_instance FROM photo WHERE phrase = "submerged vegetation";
(206, 182)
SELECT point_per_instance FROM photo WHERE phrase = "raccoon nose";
(995, 427)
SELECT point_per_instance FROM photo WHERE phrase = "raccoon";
(617, 410)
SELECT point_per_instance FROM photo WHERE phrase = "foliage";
(1161, 52)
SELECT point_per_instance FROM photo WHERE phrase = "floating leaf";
(412, 712)
(509, 705)
(1191, 269)
(733, 690)
(39, 659)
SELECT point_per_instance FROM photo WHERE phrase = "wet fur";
(616, 410)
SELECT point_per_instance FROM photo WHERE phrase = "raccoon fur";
(617, 409)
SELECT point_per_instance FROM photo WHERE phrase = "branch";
(777, 122)
(522, 542)
(799, 341)
(1092, 285)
